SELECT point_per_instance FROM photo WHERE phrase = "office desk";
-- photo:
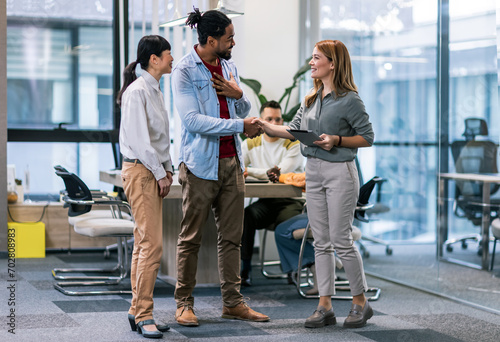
(172, 215)
(486, 180)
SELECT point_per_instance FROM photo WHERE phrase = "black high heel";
(133, 326)
(146, 333)
(131, 320)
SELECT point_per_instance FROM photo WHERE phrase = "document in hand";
(307, 137)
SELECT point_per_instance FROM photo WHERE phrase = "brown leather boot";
(184, 315)
(242, 311)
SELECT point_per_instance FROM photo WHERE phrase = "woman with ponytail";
(335, 112)
(146, 172)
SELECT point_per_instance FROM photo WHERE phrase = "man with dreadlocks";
(211, 106)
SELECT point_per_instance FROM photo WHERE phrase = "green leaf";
(291, 113)
(287, 93)
(252, 84)
(262, 99)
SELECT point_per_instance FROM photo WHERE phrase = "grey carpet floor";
(401, 313)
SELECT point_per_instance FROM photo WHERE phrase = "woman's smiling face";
(321, 66)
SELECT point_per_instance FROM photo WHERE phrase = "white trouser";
(332, 191)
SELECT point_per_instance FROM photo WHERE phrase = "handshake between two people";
(253, 127)
(259, 126)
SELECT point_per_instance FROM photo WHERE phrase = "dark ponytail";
(148, 45)
(212, 23)
(129, 76)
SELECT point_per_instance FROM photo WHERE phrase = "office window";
(59, 64)
(473, 82)
(393, 47)
(35, 161)
(59, 73)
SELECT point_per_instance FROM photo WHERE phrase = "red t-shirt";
(227, 147)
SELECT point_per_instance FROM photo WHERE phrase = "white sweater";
(260, 155)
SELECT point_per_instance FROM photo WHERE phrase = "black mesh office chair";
(473, 156)
(376, 208)
(94, 223)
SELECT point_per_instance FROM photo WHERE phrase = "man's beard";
(226, 55)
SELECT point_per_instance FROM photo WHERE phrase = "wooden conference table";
(172, 215)
(486, 180)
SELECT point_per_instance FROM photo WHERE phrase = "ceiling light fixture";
(178, 20)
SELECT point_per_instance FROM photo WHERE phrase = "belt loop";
(135, 162)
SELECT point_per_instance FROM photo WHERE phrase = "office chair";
(361, 208)
(473, 156)
(94, 223)
(263, 262)
(495, 230)
(114, 136)
(270, 263)
(377, 208)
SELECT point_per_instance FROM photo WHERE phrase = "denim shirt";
(199, 110)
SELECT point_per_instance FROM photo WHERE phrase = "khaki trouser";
(225, 197)
(332, 194)
(143, 194)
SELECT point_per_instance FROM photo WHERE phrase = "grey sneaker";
(320, 318)
(358, 316)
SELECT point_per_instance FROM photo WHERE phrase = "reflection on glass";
(393, 45)
(473, 99)
(59, 64)
(393, 51)
(83, 159)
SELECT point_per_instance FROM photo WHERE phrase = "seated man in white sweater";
(261, 156)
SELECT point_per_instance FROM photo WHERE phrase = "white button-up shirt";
(144, 128)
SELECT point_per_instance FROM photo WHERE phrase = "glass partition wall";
(63, 71)
(60, 91)
(421, 71)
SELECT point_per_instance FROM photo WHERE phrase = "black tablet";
(251, 179)
(307, 137)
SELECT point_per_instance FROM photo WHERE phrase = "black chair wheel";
(388, 250)
(464, 245)
(449, 248)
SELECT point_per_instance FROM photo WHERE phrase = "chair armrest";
(98, 202)
(98, 193)
(364, 207)
(380, 182)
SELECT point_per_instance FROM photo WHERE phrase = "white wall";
(267, 49)
(267, 45)
(3, 128)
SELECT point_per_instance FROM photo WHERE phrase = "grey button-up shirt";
(334, 115)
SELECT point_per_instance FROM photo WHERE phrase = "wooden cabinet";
(58, 233)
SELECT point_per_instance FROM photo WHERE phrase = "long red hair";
(342, 80)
